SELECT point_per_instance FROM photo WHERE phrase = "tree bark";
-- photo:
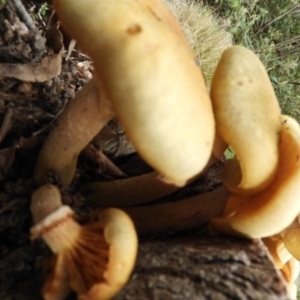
(200, 267)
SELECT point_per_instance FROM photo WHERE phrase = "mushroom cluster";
(147, 76)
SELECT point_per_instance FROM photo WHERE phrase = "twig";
(8, 206)
(287, 42)
(294, 82)
(276, 19)
(6, 124)
(23, 15)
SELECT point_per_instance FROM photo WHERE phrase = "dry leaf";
(42, 71)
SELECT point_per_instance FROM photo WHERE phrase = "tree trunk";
(201, 267)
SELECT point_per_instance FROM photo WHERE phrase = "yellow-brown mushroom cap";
(291, 239)
(247, 118)
(152, 79)
(274, 209)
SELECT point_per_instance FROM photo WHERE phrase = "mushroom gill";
(95, 260)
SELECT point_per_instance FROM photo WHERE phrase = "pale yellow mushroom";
(291, 239)
(278, 251)
(248, 119)
(95, 260)
(291, 269)
(275, 208)
(290, 272)
(152, 79)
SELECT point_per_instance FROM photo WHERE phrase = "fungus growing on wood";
(94, 260)
(131, 191)
(274, 209)
(248, 119)
(152, 80)
(180, 215)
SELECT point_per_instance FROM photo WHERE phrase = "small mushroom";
(275, 208)
(94, 260)
(248, 119)
(152, 79)
(290, 272)
(291, 239)
(278, 251)
(291, 269)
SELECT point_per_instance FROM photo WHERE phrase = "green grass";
(270, 28)
(206, 34)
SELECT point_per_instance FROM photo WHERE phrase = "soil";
(28, 111)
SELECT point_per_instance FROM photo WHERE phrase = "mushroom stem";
(131, 191)
(278, 251)
(180, 215)
(82, 119)
(290, 271)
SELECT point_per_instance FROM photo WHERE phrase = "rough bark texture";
(200, 267)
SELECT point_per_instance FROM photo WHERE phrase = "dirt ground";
(28, 110)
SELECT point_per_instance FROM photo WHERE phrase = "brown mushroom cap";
(180, 215)
(131, 191)
(247, 118)
(275, 208)
(153, 81)
(127, 192)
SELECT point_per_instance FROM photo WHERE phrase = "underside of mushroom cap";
(248, 119)
(275, 208)
(121, 237)
(97, 263)
(95, 260)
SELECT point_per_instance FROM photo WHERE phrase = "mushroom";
(284, 261)
(95, 260)
(290, 272)
(152, 79)
(278, 251)
(81, 120)
(248, 119)
(180, 215)
(274, 209)
(131, 191)
(291, 239)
